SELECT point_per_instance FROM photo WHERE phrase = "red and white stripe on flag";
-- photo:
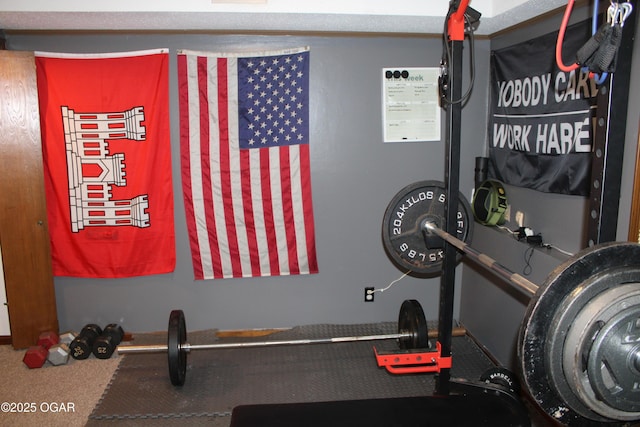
(107, 162)
(244, 136)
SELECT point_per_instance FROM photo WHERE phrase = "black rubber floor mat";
(219, 380)
(478, 410)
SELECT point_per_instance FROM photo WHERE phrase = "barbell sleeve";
(135, 349)
(494, 266)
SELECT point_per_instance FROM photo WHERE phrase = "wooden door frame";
(634, 219)
(24, 229)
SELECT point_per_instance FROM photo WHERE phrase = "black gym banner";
(541, 118)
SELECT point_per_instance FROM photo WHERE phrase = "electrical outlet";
(520, 218)
(368, 294)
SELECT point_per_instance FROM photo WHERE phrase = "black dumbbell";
(105, 344)
(82, 345)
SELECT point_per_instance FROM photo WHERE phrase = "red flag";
(244, 136)
(107, 162)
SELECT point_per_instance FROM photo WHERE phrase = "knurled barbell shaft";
(494, 266)
(188, 347)
(161, 348)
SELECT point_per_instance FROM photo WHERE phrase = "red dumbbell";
(35, 357)
(48, 339)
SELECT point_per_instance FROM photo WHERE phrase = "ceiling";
(368, 16)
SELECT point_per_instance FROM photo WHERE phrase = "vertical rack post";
(456, 26)
(609, 141)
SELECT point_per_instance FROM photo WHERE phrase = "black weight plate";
(176, 337)
(502, 377)
(402, 235)
(570, 335)
(411, 320)
(613, 361)
(563, 282)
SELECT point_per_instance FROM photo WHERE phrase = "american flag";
(244, 131)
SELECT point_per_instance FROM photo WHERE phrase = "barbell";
(412, 333)
(579, 344)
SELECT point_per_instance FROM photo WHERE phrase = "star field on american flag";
(273, 100)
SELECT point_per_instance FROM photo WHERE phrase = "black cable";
(528, 254)
(446, 58)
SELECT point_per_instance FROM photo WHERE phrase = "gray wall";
(354, 176)
(491, 311)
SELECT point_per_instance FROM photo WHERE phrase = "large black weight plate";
(402, 235)
(575, 324)
(176, 337)
(411, 320)
(613, 365)
(538, 342)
